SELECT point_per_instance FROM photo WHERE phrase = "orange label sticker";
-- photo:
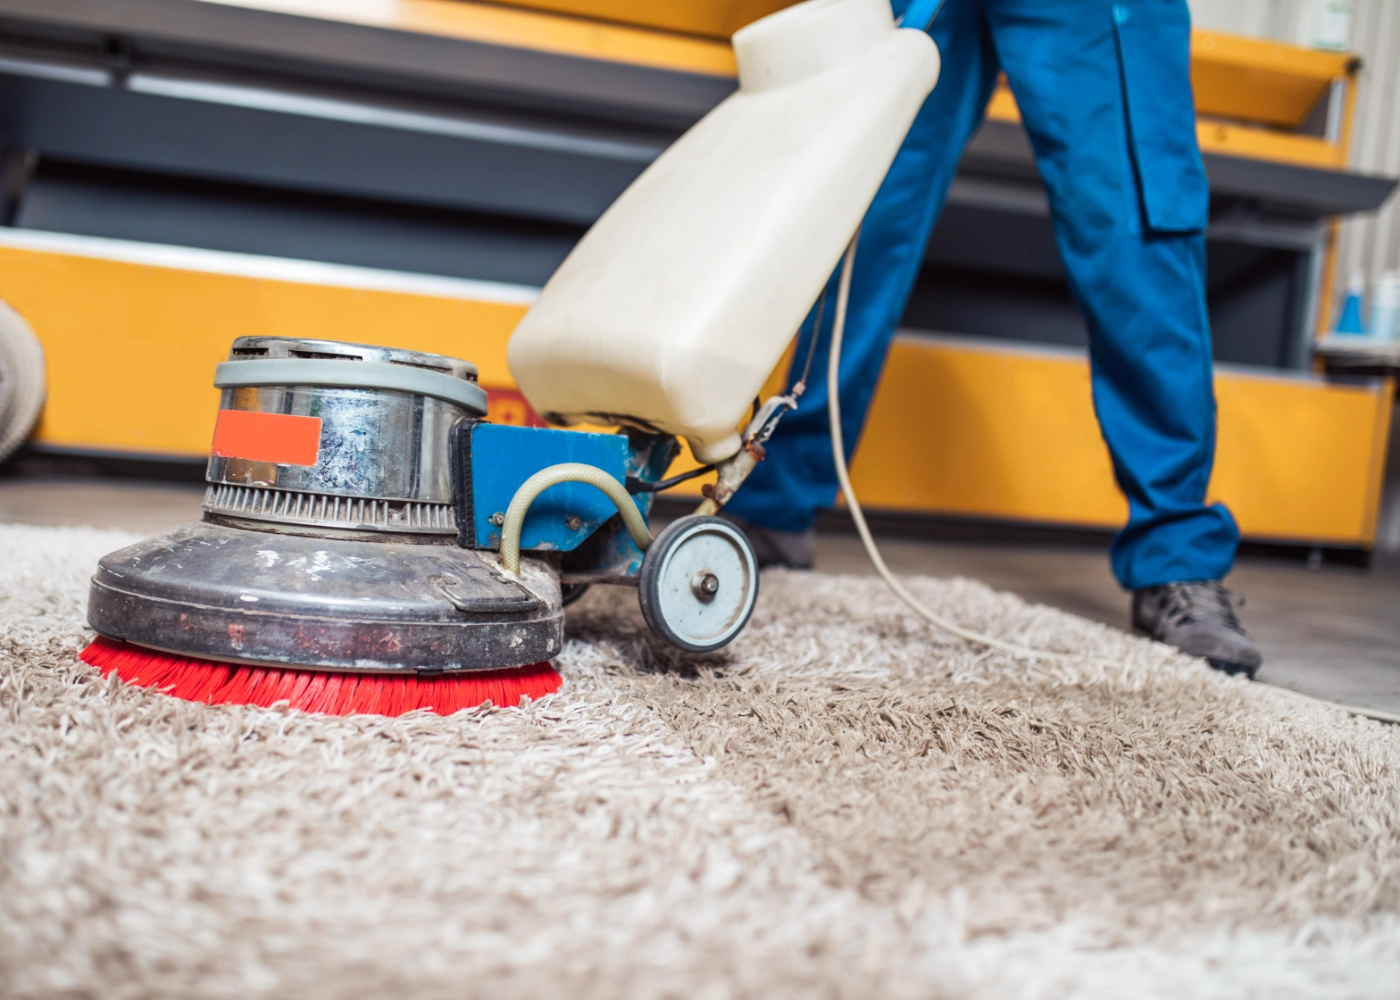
(280, 438)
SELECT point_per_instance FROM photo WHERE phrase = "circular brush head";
(315, 690)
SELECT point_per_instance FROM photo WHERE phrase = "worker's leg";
(798, 477)
(1105, 95)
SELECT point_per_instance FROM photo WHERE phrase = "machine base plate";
(262, 597)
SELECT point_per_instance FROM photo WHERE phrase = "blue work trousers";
(1104, 92)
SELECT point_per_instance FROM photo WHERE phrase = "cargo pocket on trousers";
(1154, 60)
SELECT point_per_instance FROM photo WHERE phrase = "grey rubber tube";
(22, 381)
(567, 472)
(351, 375)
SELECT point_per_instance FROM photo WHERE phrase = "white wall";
(1372, 245)
(1369, 244)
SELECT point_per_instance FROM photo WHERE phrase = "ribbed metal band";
(328, 511)
(351, 375)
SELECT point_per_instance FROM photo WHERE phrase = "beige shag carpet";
(843, 804)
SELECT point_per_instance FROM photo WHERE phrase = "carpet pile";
(842, 804)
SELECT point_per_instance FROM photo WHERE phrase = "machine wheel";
(698, 583)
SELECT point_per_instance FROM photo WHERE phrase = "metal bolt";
(497, 519)
(573, 522)
(705, 586)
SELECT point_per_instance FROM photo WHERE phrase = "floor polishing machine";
(370, 542)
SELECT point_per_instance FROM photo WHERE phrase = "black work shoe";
(1198, 617)
(792, 549)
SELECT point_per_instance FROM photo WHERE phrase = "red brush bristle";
(313, 690)
(202, 688)
(366, 698)
(296, 684)
(236, 689)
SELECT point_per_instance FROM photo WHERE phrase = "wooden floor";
(1332, 633)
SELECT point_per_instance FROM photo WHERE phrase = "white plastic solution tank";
(673, 309)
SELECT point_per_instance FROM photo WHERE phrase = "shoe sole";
(1224, 666)
(1232, 668)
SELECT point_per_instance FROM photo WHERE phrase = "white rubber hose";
(22, 387)
(567, 472)
(838, 455)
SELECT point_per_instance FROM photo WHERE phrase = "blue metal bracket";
(503, 457)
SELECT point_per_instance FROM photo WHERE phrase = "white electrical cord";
(838, 455)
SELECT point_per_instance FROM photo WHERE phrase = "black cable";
(635, 484)
(800, 386)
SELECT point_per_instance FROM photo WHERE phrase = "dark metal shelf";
(1344, 355)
